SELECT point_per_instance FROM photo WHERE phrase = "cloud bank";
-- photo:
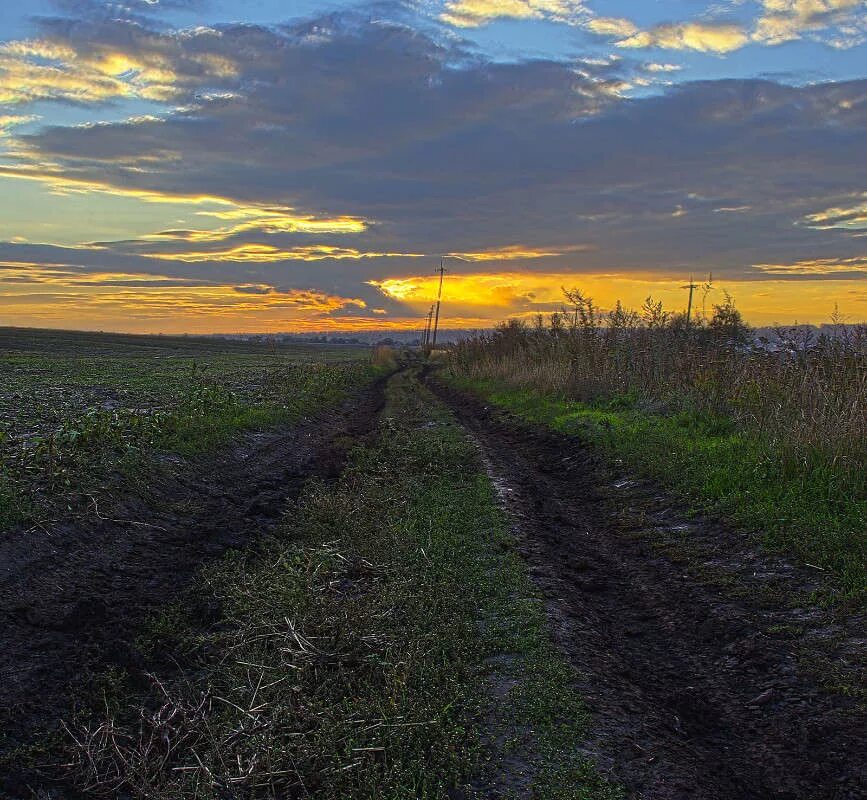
(332, 156)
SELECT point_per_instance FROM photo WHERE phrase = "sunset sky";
(270, 165)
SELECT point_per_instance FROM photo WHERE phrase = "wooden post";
(692, 287)
(427, 329)
(441, 271)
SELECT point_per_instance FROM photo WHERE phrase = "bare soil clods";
(72, 597)
(698, 679)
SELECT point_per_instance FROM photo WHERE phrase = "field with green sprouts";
(574, 562)
(76, 409)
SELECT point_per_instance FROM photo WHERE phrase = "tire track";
(691, 695)
(72, 598)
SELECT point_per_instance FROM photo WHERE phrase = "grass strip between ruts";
(385, 643)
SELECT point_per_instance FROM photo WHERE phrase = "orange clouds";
(268, 254)
(818, 266)
(41, 70)
(701, 36)
(853, 217)
(55, 69)
(59, 296)
(472, 13)
(9, 121)
(34, 295)
(266, 220)
(514, 252)
(785, 20)
(244, 217)
(345, 161)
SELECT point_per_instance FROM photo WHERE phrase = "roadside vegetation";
(384, 642)
(771, 435)
(74, 418)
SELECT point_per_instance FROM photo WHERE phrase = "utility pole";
(692, 287)
(442, 271)
(427, 327)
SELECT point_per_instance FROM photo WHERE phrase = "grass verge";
(386, 642)
(811, 510)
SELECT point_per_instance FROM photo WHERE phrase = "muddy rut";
(700, 672)
(72, 596)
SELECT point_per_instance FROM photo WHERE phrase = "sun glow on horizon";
(162, 174)
(497, 296)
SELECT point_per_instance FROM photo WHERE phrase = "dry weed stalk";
(247, 726)
(801, 393)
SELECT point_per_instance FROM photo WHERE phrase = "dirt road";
(72, 597)
(702, 676)
(702, 660)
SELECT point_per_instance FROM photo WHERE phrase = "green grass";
(86, 407)
(385, 643)
(806, 507)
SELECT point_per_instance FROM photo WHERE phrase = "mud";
(707, 669)
(72, 597)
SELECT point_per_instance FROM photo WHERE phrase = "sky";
(210, 166)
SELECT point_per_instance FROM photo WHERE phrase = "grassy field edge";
(57, 472)
(793, 508)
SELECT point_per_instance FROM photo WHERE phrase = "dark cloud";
(447, 152)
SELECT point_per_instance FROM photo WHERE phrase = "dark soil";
(708, 670)
(73, 596)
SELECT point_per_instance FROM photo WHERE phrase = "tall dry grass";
(804, 395)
